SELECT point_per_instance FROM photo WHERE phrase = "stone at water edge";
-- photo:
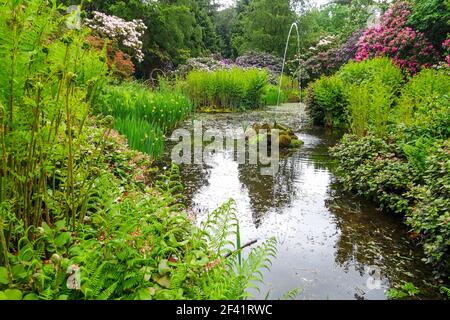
(296, 143)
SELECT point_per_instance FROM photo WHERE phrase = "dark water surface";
(330, 245)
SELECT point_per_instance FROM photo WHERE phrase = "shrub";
(378, 69)
(420, 94)
(125, 34)
(235, 88)
(260, 60)
(211, 63)
(431, 17)
(393, 38)
(375, 169)
(347, 51)
(326, 101)
(430, 217)
(369, 106)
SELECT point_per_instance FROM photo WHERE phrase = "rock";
(284, 141)
(296, 143)
(283, 128)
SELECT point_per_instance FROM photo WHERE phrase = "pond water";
(331, 245)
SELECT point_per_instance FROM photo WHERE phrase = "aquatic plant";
(143, 115)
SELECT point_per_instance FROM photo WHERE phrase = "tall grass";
(235, 88)
(270, 96)
(142, 115)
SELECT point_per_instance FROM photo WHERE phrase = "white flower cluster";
(126, 33)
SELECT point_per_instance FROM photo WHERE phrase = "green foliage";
(79, 218)
(326, 101)
(361, 95)
(405, 290)
(235, 88)
(379, 69)
(264, 26)
(270, 96)
(142, 115)
(47, 82)
(375, 169)
(433, 18)
(369, 107)
(430, 215)
(422, 95)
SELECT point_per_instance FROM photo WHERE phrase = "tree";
(264, 25)
(225, 21)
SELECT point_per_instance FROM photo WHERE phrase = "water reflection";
(332, 245)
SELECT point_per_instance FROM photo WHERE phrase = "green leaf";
(31, 296)
(12, 294)
(163, 282)
(47, 230)
(144, 294)
(61, 224)
(4, 275)
(62, 239)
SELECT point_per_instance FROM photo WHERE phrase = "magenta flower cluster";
(408, 48)
(446, 46)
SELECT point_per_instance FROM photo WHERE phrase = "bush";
(394, 38)
(369, 107)
(326, 101)
(430, 217)
(419, 96)
(375, 169)
(378, 69)
(235, 88)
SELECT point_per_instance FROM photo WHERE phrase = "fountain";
(284, 59)
(287, 138)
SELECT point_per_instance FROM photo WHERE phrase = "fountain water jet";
(284, 59)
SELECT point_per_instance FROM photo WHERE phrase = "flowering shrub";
(260, 60)
(446, 46)
(211, 63)
(117, 60)
(348, 50)
(127, 34)
(392, 37)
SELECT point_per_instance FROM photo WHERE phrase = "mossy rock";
(283, 128)
(284, 141)
(296, 143)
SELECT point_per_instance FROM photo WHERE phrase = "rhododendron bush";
(126, 34)
(446, 46)
(394, 38)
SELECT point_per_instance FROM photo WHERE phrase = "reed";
(142, 115)
(235, 88)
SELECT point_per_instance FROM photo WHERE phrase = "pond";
(331, 245)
